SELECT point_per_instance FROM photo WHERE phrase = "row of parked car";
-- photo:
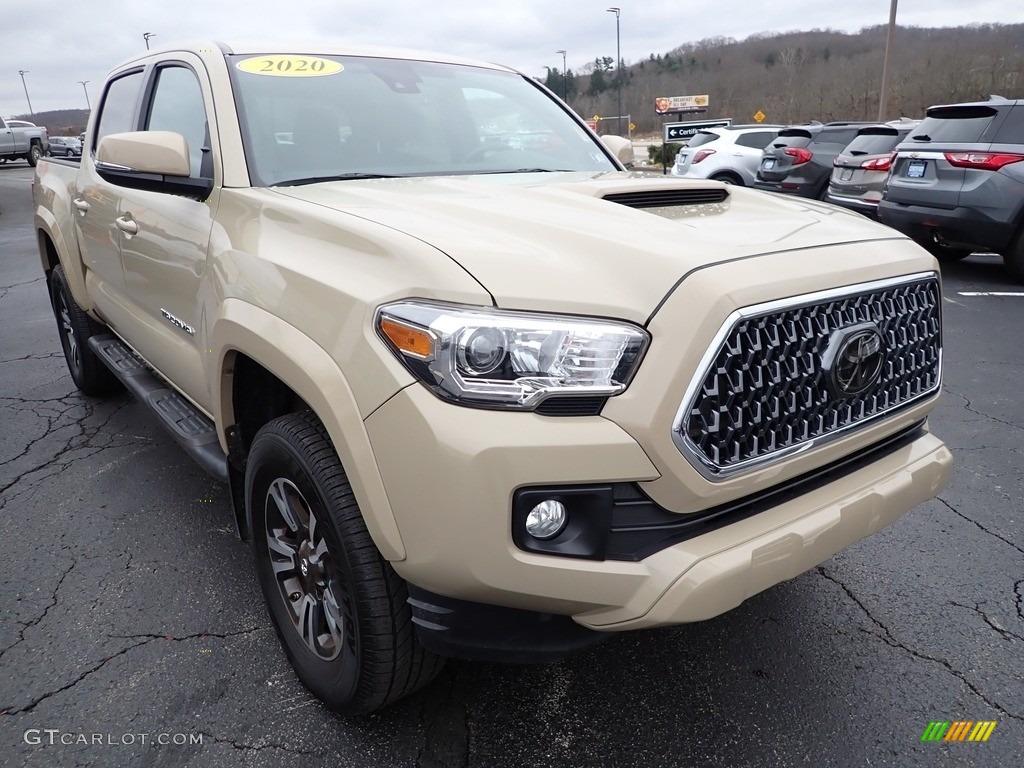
(953, 181)
(60, 146)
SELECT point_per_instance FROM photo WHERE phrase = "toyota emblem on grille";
(853, 359)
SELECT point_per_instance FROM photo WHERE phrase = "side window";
(177, 105)
(118, 106)
(1012, 129)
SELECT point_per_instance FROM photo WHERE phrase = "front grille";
(764, 391)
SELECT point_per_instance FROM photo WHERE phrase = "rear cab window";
(117, 112)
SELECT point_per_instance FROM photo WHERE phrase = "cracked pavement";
(130, 607)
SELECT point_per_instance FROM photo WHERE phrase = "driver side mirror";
(157, 161)
(621, 148)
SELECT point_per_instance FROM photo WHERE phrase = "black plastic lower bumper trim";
(479, 632)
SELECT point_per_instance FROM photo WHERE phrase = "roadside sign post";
(680, 105)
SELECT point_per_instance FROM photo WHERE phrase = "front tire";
(946, 253)
(75, 328)
(339, 608)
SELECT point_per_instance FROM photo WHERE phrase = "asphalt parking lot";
(131, 615)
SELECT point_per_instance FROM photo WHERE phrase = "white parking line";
(1018, 294)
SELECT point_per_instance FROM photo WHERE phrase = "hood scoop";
(664, 198)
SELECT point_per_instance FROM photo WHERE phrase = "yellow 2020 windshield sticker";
(277, 65)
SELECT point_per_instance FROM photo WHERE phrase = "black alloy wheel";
(339, 609)
(75, 328)
(309, 584)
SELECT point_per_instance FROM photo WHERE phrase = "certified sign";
(687, 130)
(664, 104)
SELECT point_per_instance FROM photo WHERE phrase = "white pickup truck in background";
(22, 142)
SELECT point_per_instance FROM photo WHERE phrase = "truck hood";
(553, 242)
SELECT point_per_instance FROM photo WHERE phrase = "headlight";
(499, 359)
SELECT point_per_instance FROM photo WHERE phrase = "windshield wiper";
(525, 170)
(922, 137)
(334, 177)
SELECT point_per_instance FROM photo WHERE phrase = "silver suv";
(957, 182)
(859, 172)
(728, 154)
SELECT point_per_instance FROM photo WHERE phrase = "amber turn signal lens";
(413, 341)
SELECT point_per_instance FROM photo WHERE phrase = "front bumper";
(452, 500)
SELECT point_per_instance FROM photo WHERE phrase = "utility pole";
(618, 70)
(87, 104)
(565, 83)
(31, 112)
(883, 100)
(146, 36)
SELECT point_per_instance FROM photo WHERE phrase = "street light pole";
(883, 99)
(87, 104)
(146, 36)
(32, 112)
(618, 70)
(565, 84)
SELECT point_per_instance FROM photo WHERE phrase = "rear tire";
(75, 328)
(1013, 259)
(728, 178)
(34, 153)
(339, 608)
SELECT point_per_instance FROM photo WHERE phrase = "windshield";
(307, 119)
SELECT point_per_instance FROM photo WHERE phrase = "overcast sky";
(60, 44)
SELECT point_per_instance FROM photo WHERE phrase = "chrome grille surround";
(761, 395)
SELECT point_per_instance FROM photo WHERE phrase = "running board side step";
(191, 428)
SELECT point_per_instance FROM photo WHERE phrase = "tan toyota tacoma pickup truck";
(476, 389)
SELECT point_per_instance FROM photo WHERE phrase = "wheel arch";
(268, 368)
(735, 176)
(53, 250)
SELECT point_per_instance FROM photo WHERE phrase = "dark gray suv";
(799, 161)
(957, 182)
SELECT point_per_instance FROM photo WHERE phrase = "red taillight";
(878, 164)
(800, 156)
(702, 154)
(982, 161)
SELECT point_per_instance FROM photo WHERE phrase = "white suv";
(727, 154)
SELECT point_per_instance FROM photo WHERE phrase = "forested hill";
(817, 75)
(59, 122)
(791, 77)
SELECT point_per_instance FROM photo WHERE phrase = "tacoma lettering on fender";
(476, 389)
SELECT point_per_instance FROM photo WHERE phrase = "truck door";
(7, 144)
(95, 201)
(164, 238)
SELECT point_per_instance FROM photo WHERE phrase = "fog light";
(546, 520)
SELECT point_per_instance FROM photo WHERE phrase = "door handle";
(127, 226)
(81, 204)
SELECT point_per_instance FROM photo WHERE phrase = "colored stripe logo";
(958, 730)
